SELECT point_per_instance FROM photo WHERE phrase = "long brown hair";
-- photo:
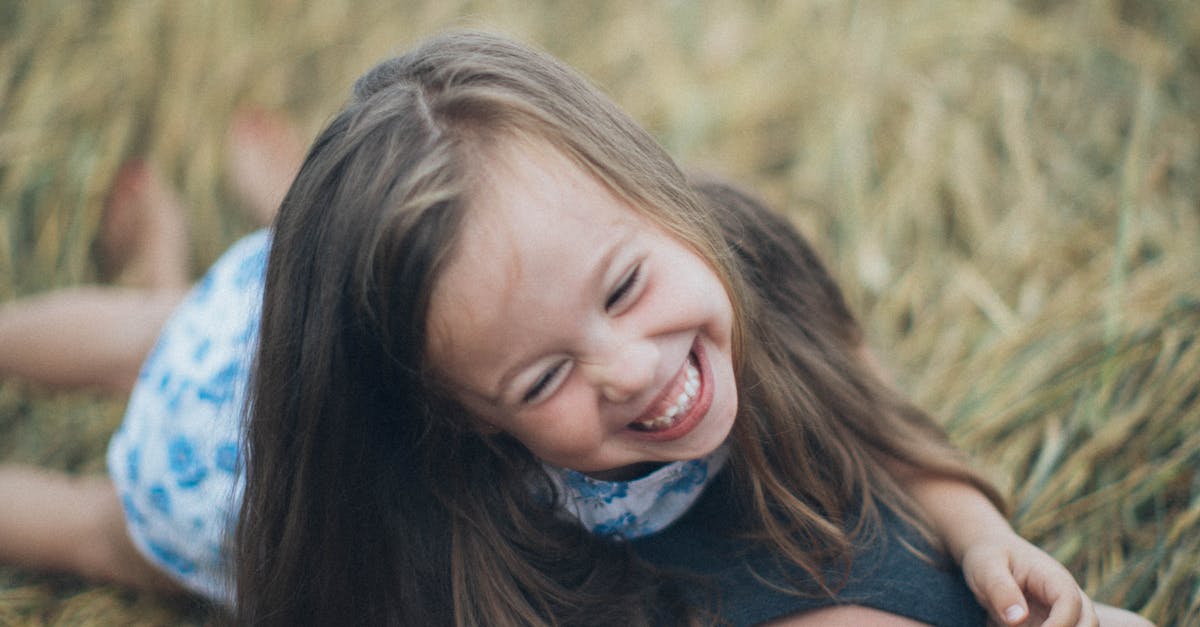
(369, 494)
(819, 435)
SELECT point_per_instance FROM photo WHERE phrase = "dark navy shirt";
(729, 583)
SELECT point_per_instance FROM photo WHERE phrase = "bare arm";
(1013, 579)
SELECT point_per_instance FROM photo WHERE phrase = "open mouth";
(678, 401)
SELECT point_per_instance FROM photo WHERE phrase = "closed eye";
(543, 382)
(624, 288)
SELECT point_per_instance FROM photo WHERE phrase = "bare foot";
(143, 240)
(263, 155)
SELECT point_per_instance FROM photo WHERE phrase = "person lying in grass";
(498, 361)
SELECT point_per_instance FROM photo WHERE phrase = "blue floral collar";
(643, 506)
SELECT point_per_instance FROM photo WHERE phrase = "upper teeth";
(691, 385)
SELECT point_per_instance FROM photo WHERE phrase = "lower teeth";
(658, 424)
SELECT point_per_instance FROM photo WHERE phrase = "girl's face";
(577, 326)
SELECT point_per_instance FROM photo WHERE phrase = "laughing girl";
(501, 363)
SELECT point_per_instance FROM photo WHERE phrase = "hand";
(1019, 584)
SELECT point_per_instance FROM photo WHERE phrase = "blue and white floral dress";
(175, 458)
(634, 509)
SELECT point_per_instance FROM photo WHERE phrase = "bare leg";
(263, 155)
(83, 336)
(98, 336)
(55, 522)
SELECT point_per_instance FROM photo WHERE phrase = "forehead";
(537, 229)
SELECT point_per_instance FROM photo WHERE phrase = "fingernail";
(1014, 613)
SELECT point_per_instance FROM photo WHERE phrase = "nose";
(624, 369)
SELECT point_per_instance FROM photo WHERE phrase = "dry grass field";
(1008, 189)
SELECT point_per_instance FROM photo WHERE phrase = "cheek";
(564, 426)
(700, 285)
(728, 385)
(712, 302)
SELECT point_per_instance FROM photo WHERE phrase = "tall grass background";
(1007, 190)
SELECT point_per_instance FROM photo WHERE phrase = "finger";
(995, 586)
(1084, 614)
(1054, 586)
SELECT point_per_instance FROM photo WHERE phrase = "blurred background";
(1006, 189)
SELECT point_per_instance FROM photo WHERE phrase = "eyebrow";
(595, 277)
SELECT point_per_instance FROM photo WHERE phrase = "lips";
(676, 402)
(682, 405)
